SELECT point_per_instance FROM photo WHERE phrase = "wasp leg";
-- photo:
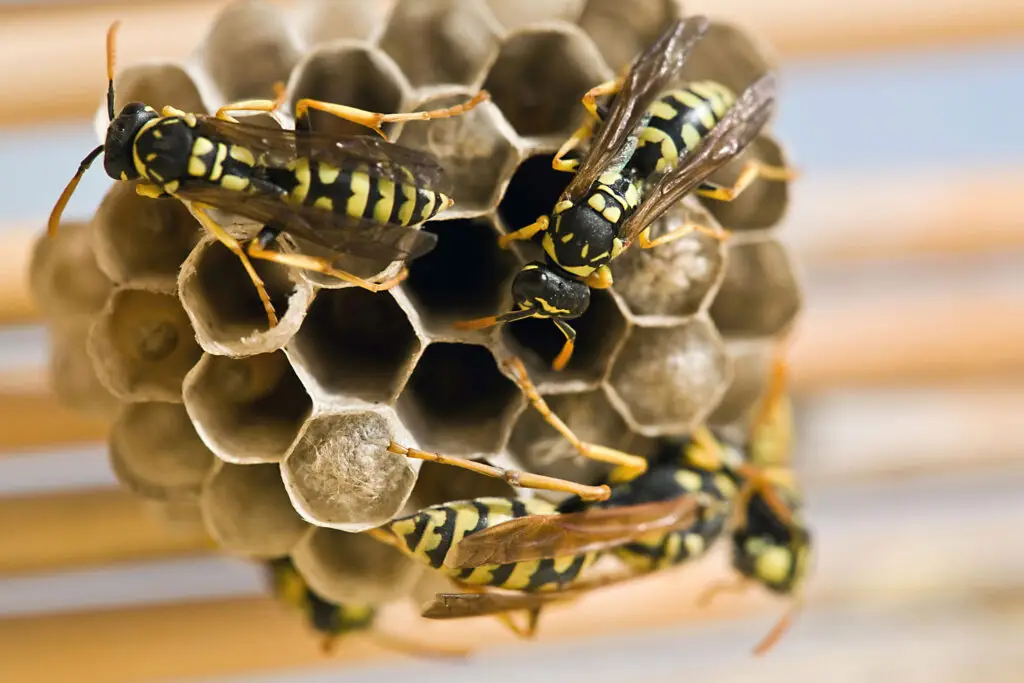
(269, 106)
(737, 585)
(527, 233)
(515, 478)
(321, 265)
(560, 163)
(682, 231)
(600, 278)
(623, 461)
(374, 120)
(236, 248)
(607, 88)
(151, 190)
(751, 172)
(168, 110)
(563, 357)
(400, 645)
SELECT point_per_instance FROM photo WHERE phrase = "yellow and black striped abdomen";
(430, 533)
(680, 119)
(358, 193)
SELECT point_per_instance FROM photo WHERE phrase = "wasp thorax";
(118, 159)
(550, 291)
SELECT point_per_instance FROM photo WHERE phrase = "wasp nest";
(279, 434)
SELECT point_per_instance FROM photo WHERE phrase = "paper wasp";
(356, 195)
(333, 620)
(672, 513)
(649, 149)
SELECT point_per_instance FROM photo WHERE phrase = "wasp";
(332, 620)
(651, 147)
(671, 514)
(356, 195)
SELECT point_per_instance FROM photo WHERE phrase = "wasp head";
(118, 160)
(550, 292)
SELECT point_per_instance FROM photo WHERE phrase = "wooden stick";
(32, 419)
(86, 528)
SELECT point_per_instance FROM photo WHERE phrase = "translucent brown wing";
(648, 77)
(336, 232)
(276, 146)
(465, 605)
(728, 138)
(597, 529)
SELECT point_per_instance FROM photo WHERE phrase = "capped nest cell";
(281, 434)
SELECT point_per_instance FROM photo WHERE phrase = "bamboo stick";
(79, 529)
(32, 419)
(64, 43)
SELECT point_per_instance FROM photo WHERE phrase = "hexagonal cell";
(354, 344)
(140, 240)
(155, 451)
(351, 74)
(143, 346)
(599, 334)
(247, 410)
(225, 308)
(760, 295)
(473, 147)
(540, 75)
(537, 447)
(667, 379)
(339, 473)
(750, 361)
(457, 402)
(353, 567)
(323, 21)
(673, 279)
(763, 204)
(64, 276)
(622, 29)
(727, 54)
(439, 484)
(467, 275)
(157, 85)
(532, 192)
(247, 511)
(440, 41)
(72, 373)
(248, 48)
(514, 15)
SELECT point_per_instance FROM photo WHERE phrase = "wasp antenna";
(58, 208)
(111, 58)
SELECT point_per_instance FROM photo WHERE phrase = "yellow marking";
(158, 134)
(608, 178)
(428, 208)
(585, 250)
(726, 485)
(408, 203)
(689, 98)
(521, 575)
(597, 202)
(617, 247)
(148, 190)
(359, 186)
(328, 174)
(612, 214)
(563, 205)
(382, 210)
(694, 544)
(202, 147)
(300, 167)
(325, 203)
(197, 167)
(773, 564)
(234, 183)
(690, 135)
(151, 157)
(189, 119)
(617, 197)
(632, 195)
(171, 187)
(662, 110)
(598, 257)
(548, 244)
(670, 552)
(688, 480)
(531, 266)
(242, 154)
(548, 308)
(700, 457)
(218, 163)
(567, 237)
(356, 612)
(669, 154)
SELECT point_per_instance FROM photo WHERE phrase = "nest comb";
(277, 434)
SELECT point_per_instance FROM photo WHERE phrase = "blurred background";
(907, 228)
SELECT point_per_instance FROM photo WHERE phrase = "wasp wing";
(465, 605)
(336, 232)
(277, 147)
(649, 75)
(544, 536)
(737, 129)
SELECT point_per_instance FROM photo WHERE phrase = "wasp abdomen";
(680, 119)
